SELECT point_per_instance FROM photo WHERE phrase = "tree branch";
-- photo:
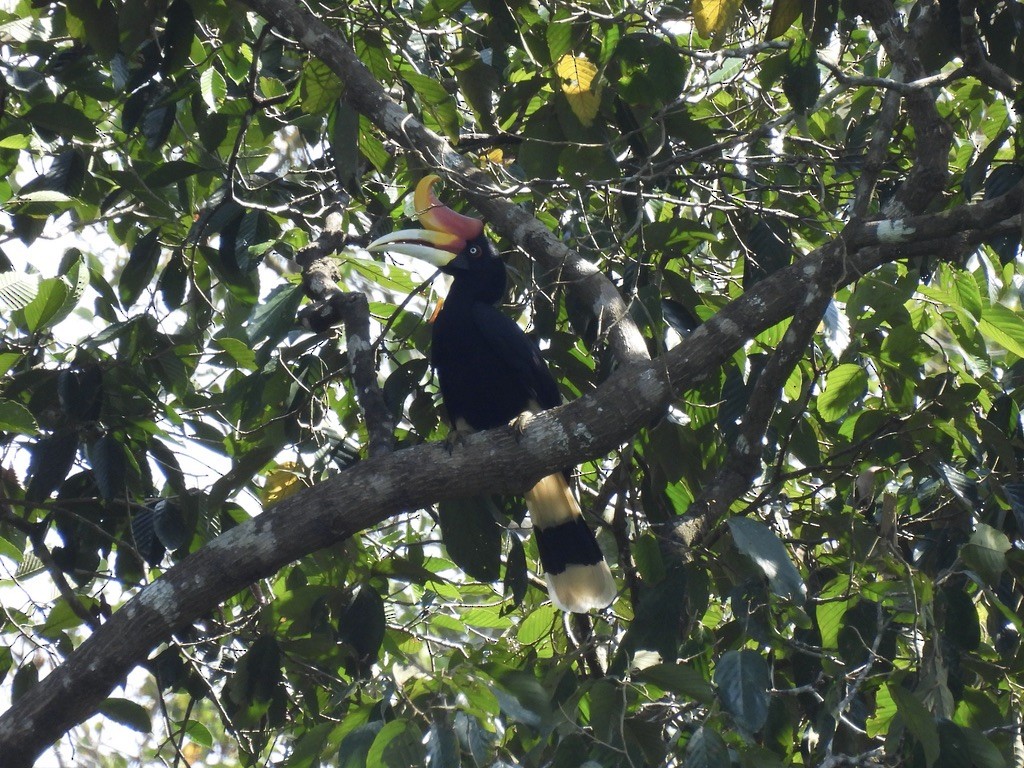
(331, 306)
(366, 95)
(376, 489)
(933, 136)
(973, 52)
(743, 462)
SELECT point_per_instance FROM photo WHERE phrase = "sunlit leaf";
(282, 483)
(760, 544)
(213, 88)
(843, 384)
(578, 78)
(713, 18)
(784, 13)
(986, 552)
(16, 418)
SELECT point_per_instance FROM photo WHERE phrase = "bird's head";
(453, 242)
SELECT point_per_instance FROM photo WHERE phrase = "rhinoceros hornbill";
(490, 373)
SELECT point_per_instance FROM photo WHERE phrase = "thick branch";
(372, 491)
(331, 306)
(366, 95)
(933, 136)
(743, 462)
(973, 52)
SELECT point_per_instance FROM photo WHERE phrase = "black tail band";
(570, 543)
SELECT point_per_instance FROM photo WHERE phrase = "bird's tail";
(577, 575)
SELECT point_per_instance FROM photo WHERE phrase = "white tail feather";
(581, 588)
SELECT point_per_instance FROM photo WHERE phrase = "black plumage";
(490, 373)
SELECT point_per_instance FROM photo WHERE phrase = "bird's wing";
(519, 351)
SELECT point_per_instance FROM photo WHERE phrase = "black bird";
(491, 373)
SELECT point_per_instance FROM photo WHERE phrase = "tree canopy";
(771, 253)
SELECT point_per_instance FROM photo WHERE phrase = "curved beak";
(437, 248)
(445, 235)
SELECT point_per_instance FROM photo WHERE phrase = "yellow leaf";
(580, 86)
(714, 18)
(784, 13)
(495, 156)
(282, 483)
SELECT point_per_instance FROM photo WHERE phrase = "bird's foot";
(456, 436)
(518, 424)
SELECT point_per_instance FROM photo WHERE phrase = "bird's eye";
(474, 250)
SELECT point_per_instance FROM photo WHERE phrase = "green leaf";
(439, 9)
(760, 544)
(362, 625)
(706, 749)
(843, 385)
(24, 679)
(830, 616)
(80, 392)
(539, 625)
(371, 147)
(48, 303)
(199, 734)
(680, 679)
(140, 268)
(179, 33)
(437, 100)
(961, 625)
(16, 141)
(110, 466)
(647, 555)
(16, 418)
(45, 196)
(355, 747)
(258, 673)
(6, 662)
(62, 119)
(743, 682)
(276, 315)
(98, 25)
(169, 525)
(1003, 326)
(802, 80)
(559, 35)
(171, 173)
(128, 713)
(918, 720)
(986, 552)
(7, 549)
(521, 696)
(965, 288)
(239, 351)
(442, 745)
(516, 572)
(61, 618)
(344, 135)
(319, 88)
(472, 535)
(397, 745)
(981, 752)
(52, 458)
(213, 88)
